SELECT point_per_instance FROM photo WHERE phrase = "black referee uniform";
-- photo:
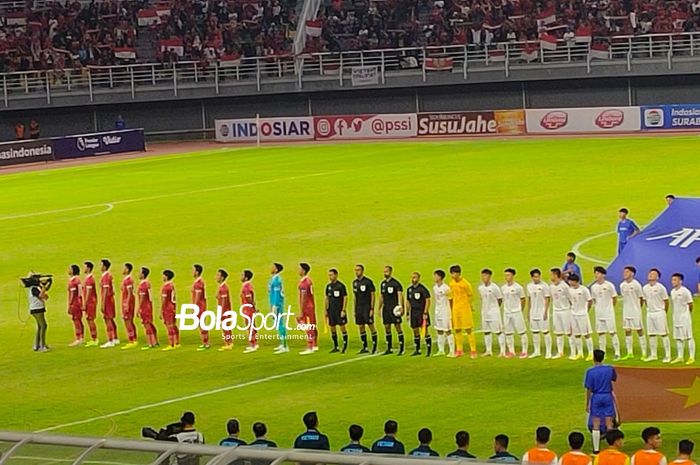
(336, 294)
(390, 289)
(363, 288)
(417, 296)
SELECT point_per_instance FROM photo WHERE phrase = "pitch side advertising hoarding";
(675, 117)
(583, 120)
(271, 129)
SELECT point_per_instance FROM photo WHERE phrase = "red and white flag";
(547, 16)
(147, 17)
(439, 63)
(601, 51)
(172, 45)
(163, 10)
(230, 60)
(548, 41)
(583, 34)
(16, 18)
(497, 55)
(330, 69)
(314, 27)
(125, 53)
(530, 52)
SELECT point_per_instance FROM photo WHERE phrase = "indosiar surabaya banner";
(674, 117)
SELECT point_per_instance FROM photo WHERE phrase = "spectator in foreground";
(355, 447)
(233, 428)
(19, 130)
(425, 437)
(260, 432)
(462, 452)
(312, 438)
(649, 454)
(500, 449)
(575, 456)
(540, 454)
(119, 124)
(685, 450)
(34, 132)
(389, 444)
(613, 455)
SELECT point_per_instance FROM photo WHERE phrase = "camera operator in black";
(37, 308)
(187, 435)
(391, 296)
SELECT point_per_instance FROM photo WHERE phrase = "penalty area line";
(197, 395)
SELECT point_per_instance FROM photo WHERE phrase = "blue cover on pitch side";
(670, 243)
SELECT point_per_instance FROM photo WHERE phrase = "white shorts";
(657, 324)
(514, 323)
(683, 333)
(562, 322)
(632, 324)
(443, 320)
(581, 325)
(605, 325)
(539, 326)
(492, 326)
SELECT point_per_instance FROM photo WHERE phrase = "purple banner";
(100, 143)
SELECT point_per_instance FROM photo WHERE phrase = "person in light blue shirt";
(276, 292)
(571, 267)
(626, 229)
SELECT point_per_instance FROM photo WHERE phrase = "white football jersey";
(579, 300)
(512, 296)
(681, 298)
(655, 297)
(603, 295)
(631, 304)
(442, 297)
(561, 296)
(538, 294)
(490, 309)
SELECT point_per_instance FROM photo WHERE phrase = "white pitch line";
(108, 207)
(577, 247)
(288, 374)
(168, 195)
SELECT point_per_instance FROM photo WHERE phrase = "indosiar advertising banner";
(673, 117)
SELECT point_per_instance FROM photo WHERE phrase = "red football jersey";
(144, 288)
(199, 298)
(90, 292)
(75, 301)
(223, 297)
(127, 290)
(167, 292)
(306, 292)
(107, 284)
(247, 294)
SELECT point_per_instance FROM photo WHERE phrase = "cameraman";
(37, 308)
(187, 435)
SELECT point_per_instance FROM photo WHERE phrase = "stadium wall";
(173, 118)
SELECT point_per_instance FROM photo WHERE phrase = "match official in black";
(363, 289)
(391, 296)
(355, 447)
(335, 308)
(312, 438)
(418, 301)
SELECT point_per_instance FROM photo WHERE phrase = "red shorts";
(109, 310)
(308, 315)
(202, 307)
(91, 311)
(76, 313)
(169, 317)
(146, 316)
(128, 312)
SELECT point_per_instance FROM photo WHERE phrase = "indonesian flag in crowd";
(147, 17)
(125, 53)
(548, 41)
(600, 51)
(172, 45)
(658, 394)
(314, 27)
(439, 63)
(330, 69)
(530, 52)
(230, 60)
(35, 25)
(547, 16)
(583, 34)
(497, 55)
(16, 18)
(163, 10)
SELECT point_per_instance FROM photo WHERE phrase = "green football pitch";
(417, 206)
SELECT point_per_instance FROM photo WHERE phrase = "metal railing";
(255, 73)
(52, 449)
